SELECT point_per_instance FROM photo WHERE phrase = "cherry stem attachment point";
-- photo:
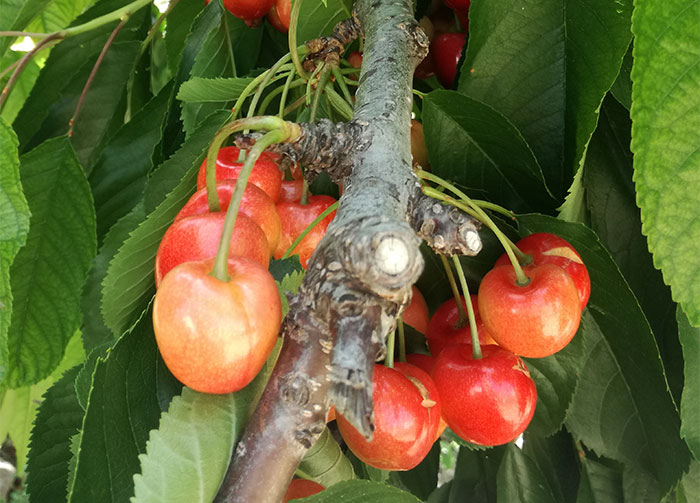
(309, 227)
(468, 206)
(220, 269)
(402, 341)
(462, 320)
(476, 347)
(390, 341)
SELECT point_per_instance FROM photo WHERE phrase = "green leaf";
(14, 226)
(622, 88)
(361, 491)
(15, 15)
(640, 486)
(288, 274)
(58, 420)
(47, 275)
(58, 14)
(474, 145)
(180, 22)
(622, 407)
(556, 378)
(129, 284)
(316, 19)
(689, 486)
(475, 475)
(610, 197)
(599, 483)
(21, 88)
(199, 89)
(665, 118)
(198, 430)
(546, 66)
(119, 177)
(130, 389)
(325, 462)
(521, 479)
(558, 459)
(19, 406)
(690, 403)
(423, 479)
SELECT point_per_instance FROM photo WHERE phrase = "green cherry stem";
(285, 91)
(476, 347)
(402, 341)
(462, 320)
(309, 227)
(468, 206)
(390, 341)
(220, 269)
(292, 39)
(340, 79)
(338, 103)
(289, 78)
(310, 81)
(270, 76)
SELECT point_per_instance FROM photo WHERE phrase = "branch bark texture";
(357, 281)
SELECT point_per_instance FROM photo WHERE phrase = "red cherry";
(426, 364)
(489, 401)
(406, 418)
(535, 320)
(197, 238)
(280, 15)
(461, 8)
(546, 248)
(443, 330)
(265, 173)
(301, 488)
(295, 217)
(291, 191)
(255, 204)
(416, 313)
(447, 49)
(215, 335)
(248, 10)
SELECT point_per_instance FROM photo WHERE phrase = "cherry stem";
(309, 228)
(468, 206)
(285, 91)
(338, 103)
(292, 39)
(269, 77)
(280, 90)
(486, 205)
(309, 83)
(462, 320)
(476, 347)
(322, 81)
(340, 79)
(220, 269)
(402, 341)
(389, 360)
(93, 73)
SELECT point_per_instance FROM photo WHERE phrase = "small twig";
(23, 34)
(96, 67)
(23, 62)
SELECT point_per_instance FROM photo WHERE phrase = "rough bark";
(357, 281)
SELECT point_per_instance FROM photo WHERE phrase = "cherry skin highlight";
(255, 204)
(489, 401)
(546, 248)
(197, 238)
(215, 335)
(265, 173)
(406, 417)
(535, 320)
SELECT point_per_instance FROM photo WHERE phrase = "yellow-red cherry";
(444, 328)
(546, 248)
(488, 401)
(533, 320)
(416, 313)
(255, 204)
(406, 419)
(301, 488)
(215, 335)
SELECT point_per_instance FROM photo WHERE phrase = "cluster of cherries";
(220, 342)
(486, 397)
(278, 12)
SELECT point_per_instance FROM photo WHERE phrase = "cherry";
(546, 248)
(255, 204)
(215, 335)
(265, 173)
(295, 217)
(416, 313)
(280, 15)
(443, 328)
(534, 320)
(197, 238)
(406, 418)
(291, 191)
(301, 488)
(461, 8)
(489, 401)
(418, 149)
(248, 10)
(447, 49)
(426, 364)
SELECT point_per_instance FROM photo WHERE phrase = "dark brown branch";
(322, 147)
(446, 229)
